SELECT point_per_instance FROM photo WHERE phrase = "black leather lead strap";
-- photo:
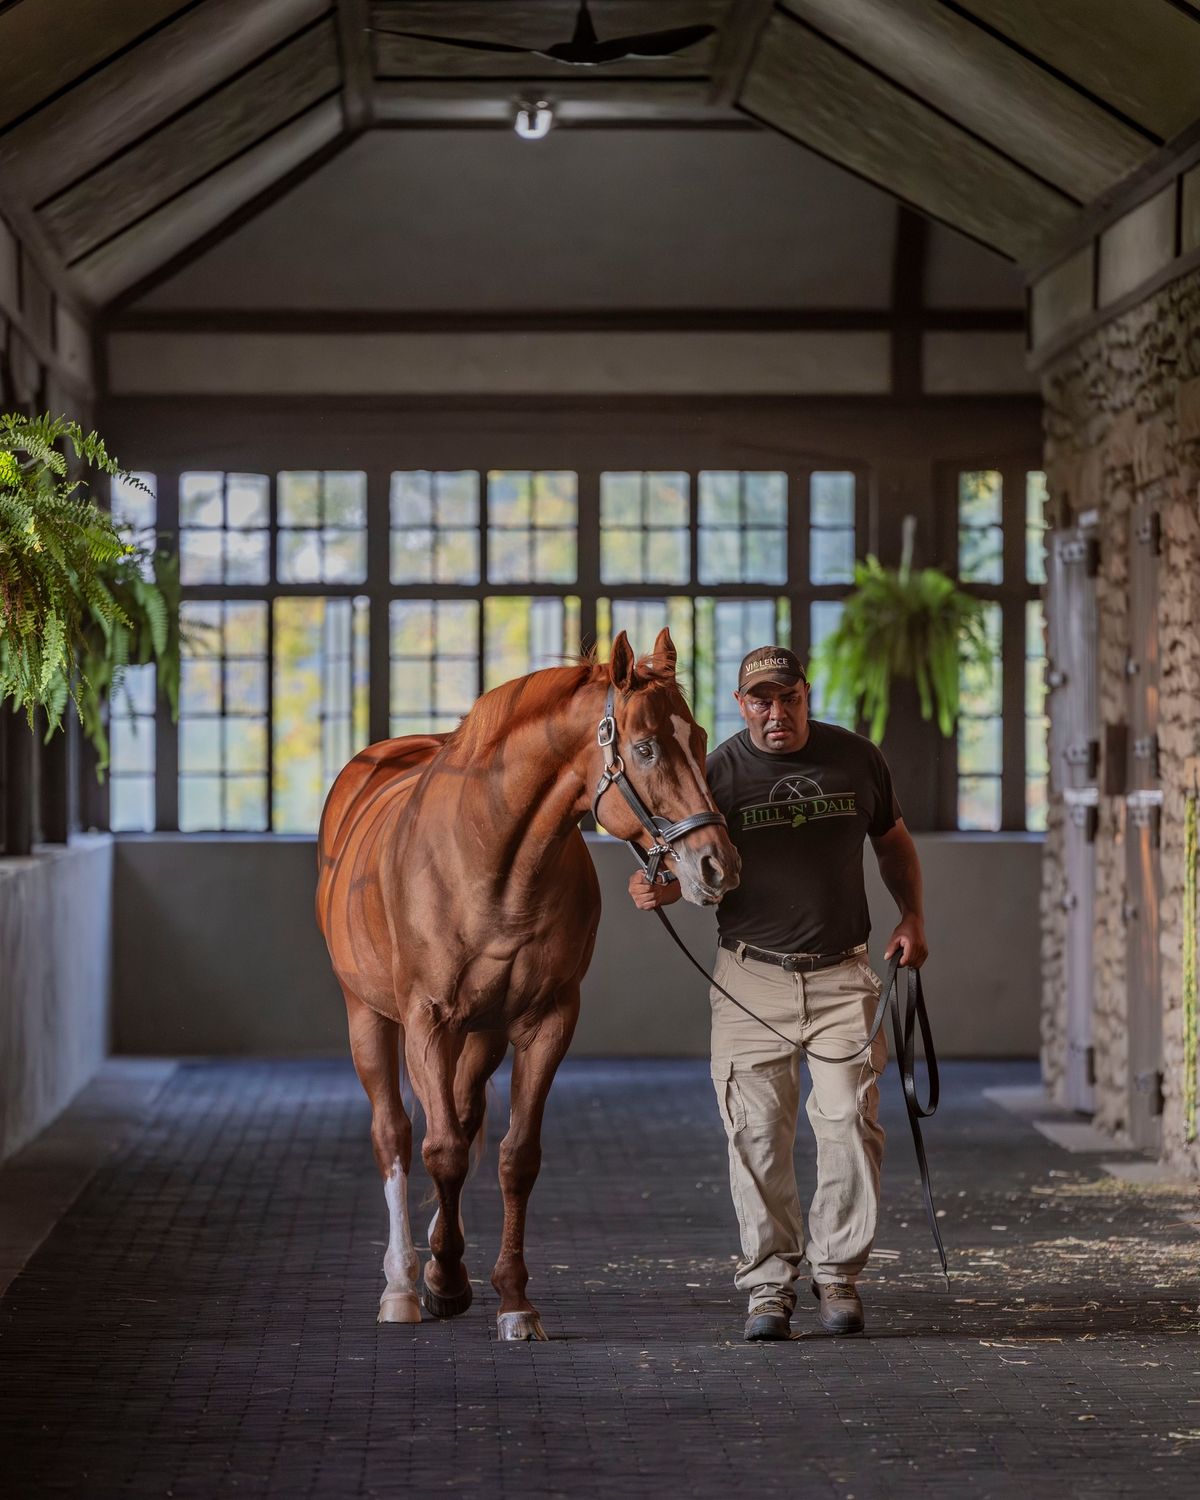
(904, 1029)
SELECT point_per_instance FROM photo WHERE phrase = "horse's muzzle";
(708, 869)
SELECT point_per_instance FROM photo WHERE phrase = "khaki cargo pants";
(757, 1079)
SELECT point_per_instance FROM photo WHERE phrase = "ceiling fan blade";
(652, 43)
(453, 41)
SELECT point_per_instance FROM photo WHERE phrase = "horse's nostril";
(711, 871)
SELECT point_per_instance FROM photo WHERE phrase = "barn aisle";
(201, 1321)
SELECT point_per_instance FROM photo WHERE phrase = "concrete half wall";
(55, 980)
(217, 951)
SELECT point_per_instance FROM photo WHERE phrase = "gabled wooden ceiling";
(134, 131)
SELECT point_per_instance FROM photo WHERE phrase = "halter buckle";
(606, 731)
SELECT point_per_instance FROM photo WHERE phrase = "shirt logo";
(795, 812)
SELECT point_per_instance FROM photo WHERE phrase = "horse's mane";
(514, 704)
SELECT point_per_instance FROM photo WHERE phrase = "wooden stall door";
(1143, 814)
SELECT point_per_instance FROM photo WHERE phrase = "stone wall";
(1123, 422)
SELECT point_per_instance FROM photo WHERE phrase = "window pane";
(831, 556)
(980, 747)
(525, 634)
(742, 527)
(435, 527)
(131, 735)
(1036, 498)
(980, 530)
(134, 501)
(320, 703)
(434, 663)
(831, 533)
(642, 619)
(323, 526)
(725, 630)
(644, 535)
(824, 615)
(223, 520)
(1037, 724)
(222, 717)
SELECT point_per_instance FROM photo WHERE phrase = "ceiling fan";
(584, 50)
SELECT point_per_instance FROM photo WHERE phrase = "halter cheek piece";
(663, 833)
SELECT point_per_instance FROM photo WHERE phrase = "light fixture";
(533, 121)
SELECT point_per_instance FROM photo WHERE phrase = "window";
(725, 630)
(824, 617)
(525, 634)
(131, 726)
(322, 527)
(435, 527)
(645, 528)
(743, 527)
(489, 574)
(223, 715)
(1000, 532)
(1037, 724)
(1035, 526)
(980, 526)
(434, 660)
(319, 703)
(980, 736)
(531, 527)
(831, 527)
(224, 534)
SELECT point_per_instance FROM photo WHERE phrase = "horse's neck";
(521, 801)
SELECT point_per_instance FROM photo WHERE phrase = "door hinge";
(1150, 531)
(1151, 1083)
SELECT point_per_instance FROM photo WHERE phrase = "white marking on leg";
(401, 1264)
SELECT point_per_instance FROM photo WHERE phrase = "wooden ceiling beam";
(740, 36)
(159, 246)
(358, 67)
(172, 160)
(1142, 57)
(968, 74)
(807, 88)
(145, 86)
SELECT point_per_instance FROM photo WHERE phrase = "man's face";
(776, 716)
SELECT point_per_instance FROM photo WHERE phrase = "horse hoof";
(520, 1327)
(446, 1307)
(399, 1307)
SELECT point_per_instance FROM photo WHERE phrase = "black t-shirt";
(799, 821)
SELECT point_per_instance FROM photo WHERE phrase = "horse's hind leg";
(534, 1066)
(375, 1045)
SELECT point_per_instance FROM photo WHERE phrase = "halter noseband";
(660, 830)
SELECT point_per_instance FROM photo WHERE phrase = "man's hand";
(909, 938)
(647, 897)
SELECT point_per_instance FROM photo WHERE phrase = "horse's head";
(662, 749)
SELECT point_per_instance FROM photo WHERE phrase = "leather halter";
(663, 833)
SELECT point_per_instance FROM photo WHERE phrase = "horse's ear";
(664, 651)
(621, 667)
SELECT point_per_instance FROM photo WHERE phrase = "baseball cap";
(770, 664)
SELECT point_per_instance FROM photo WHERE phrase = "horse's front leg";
(535, 1063)
(432, 1053)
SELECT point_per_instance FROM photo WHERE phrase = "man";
(800, 796)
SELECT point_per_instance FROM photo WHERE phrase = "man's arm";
(646, 896)
(901, 871)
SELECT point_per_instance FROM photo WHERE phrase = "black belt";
(793, 963)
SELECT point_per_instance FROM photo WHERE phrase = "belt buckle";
(791, 962)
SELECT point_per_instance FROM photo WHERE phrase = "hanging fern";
(78, 603)
(901, 622)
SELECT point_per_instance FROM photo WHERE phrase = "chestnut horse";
(460, 907)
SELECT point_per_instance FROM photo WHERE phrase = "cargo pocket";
(729, 1097)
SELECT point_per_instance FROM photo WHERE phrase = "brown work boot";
(770, 1319)
(841, 1309)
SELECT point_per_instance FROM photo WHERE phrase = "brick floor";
(201, 1322)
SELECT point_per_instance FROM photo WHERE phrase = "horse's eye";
(644, 750)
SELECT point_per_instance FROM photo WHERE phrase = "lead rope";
(904, 1030)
